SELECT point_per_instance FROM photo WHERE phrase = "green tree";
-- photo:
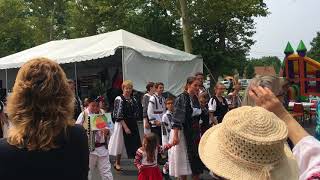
(223, 32)
(315, 48)
(15, 33)
(268, 61)
(250, 71)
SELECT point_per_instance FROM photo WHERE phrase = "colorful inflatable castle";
(304, 75)
(302, 71)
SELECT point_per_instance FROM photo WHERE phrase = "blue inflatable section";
(317, 133)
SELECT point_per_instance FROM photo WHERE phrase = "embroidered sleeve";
(162, 149)
(212, 105)
(150, 110)
(118, 109)
(138, 159)
(145, 103)
(179, 113)
(164, 105)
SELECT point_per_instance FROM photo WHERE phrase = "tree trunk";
(186, 26)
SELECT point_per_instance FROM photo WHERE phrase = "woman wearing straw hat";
(249, 144)
(275, 84)
(184, 158)
(307, 148)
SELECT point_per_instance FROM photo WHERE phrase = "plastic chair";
(298, 111)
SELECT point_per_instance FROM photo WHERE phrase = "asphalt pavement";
(130, 171)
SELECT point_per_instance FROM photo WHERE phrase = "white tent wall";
(180, 71)
(173, 74)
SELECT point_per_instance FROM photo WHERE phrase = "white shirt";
(156, 108)
(212, 105)
(307, 153)
(99, 137)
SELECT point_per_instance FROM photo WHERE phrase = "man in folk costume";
(99, 154)
(156, 109)
(145, 103)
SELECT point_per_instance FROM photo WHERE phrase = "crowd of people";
(47, 133)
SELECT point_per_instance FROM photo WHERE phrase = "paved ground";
(130, 172)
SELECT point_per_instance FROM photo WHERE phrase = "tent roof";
(94, 47)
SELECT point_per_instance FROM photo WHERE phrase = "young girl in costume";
(146, 158)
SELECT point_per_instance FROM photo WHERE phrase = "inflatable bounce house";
(304, 75)
(302, 71)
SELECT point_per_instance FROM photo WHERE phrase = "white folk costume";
(126, 110)
(184, 157)
(156, 109)
(145, 104)
(218, 108)
(166, 121)
(100, 155)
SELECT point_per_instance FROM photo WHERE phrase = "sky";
(289, 20)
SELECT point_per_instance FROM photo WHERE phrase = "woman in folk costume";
(99, 155)
(125, 139)
(218, 105)
(184, 158)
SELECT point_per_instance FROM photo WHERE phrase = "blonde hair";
(41, 105)
(271, 82)
(127, 83)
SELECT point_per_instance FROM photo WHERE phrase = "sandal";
(117, 169)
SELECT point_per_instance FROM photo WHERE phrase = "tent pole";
(76, 77)
(122, 61)
(6, 71)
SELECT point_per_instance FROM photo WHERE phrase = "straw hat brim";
(223, 166)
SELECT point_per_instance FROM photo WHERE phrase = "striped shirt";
(140, 160)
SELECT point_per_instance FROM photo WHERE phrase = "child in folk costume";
(166, 126)
(99, 155)
(156, 109)
(146, 158)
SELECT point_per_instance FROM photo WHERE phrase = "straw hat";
(249, 144)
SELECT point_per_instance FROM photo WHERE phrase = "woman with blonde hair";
(218, 105)
(43, 142)
(125, 139)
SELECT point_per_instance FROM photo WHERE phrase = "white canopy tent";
(142, 60)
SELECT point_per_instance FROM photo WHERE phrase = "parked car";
(226, 84)
(244, 82)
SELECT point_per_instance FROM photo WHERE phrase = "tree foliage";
(250, 71)
(315, 48)
(15, 33)
(221, 30)
(267, 61)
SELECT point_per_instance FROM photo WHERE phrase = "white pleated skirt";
(178, 157)
(116, 144)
